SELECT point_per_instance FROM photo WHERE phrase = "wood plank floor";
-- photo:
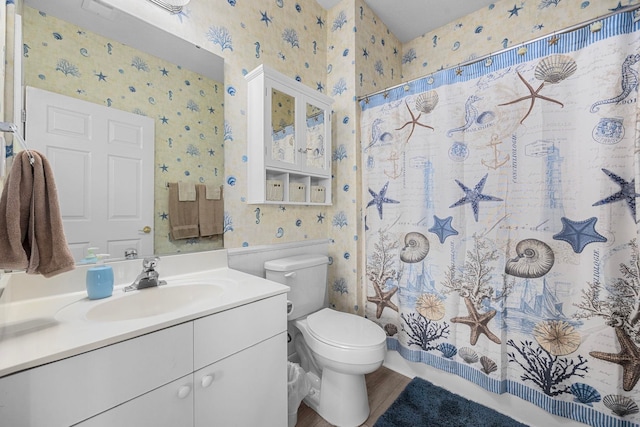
(383, 386)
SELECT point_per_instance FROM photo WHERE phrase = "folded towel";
(213, 191)
(183, 216)
(186, 191)
(31, 231)
(210, 212)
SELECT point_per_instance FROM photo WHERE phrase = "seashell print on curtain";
(501, 224)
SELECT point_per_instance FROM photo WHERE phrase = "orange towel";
(31, 231)
(183, 216)
(210, 211)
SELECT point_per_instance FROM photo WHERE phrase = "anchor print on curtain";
(501, 224)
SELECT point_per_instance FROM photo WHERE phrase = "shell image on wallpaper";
(430, 307)
(416, 247)
(555, 68)
(468, 354)
(534, 259)
(488, 365)
(584, 393)
(426, 102)
(448, 350)
(620, 405)
(558, 337)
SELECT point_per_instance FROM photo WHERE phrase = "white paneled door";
(102, 160)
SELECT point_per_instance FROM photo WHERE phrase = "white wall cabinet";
(226, 369)
(289, 140)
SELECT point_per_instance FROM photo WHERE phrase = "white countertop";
(39, 330)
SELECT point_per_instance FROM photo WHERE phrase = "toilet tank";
(306, 275)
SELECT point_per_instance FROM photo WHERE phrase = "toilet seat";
(345, 330)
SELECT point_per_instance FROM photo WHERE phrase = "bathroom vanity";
(219, 358)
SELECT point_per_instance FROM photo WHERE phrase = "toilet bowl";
(345, 347)
(336, 349)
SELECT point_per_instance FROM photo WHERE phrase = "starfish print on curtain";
(552, 69)
(478, 322)
(474, 196)
(380, 198)
(628, 358)
(413, 122)
(579, 233)
(627, 193)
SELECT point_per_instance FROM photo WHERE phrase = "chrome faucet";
(149, 276)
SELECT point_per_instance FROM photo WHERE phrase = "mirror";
(87, 50)
(315, 137)
(283, 132)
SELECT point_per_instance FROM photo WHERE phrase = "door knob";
(146, 229)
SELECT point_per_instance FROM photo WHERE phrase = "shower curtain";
(501, 225)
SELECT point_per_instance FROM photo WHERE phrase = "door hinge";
(24, 116)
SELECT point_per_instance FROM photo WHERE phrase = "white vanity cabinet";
(289, 140)
(226, 369)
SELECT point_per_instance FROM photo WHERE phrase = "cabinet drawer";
(73, 389)
(222, 334)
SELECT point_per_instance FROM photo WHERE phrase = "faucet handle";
(150, 263)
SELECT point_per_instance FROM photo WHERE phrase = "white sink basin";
(152, 302)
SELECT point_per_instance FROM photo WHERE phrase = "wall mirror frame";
(100, 18)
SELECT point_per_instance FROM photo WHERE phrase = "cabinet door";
(76, 388)
(316, 152)
(168, 406)
(248, 388)
(282, 141)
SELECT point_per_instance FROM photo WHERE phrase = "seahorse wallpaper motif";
(514, 264)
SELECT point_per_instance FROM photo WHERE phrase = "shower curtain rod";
(473, 61)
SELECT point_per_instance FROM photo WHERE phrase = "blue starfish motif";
(579, 233)
(320, 218)
(618, 7)
(164, 120)
(514, 11)
(164, 71)
(164, 216)
(442, 228)
(101, 77)
(265, 18)
(627, 192)
(380, 198)
(164, 167)
(474, 196)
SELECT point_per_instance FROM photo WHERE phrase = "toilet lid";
(344, 330)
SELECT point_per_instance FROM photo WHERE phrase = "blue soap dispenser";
(100, 279)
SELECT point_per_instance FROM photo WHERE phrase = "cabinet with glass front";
(289, 140)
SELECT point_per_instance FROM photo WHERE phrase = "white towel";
(186, 191)
(212, 192)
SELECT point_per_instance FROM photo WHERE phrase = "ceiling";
(417, 17)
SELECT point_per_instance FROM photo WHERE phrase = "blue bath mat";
(424, 404)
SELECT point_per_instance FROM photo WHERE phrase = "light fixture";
(173, 6)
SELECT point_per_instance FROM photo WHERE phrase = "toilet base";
(343, 399)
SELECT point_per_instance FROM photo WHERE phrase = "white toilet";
(337, 349)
